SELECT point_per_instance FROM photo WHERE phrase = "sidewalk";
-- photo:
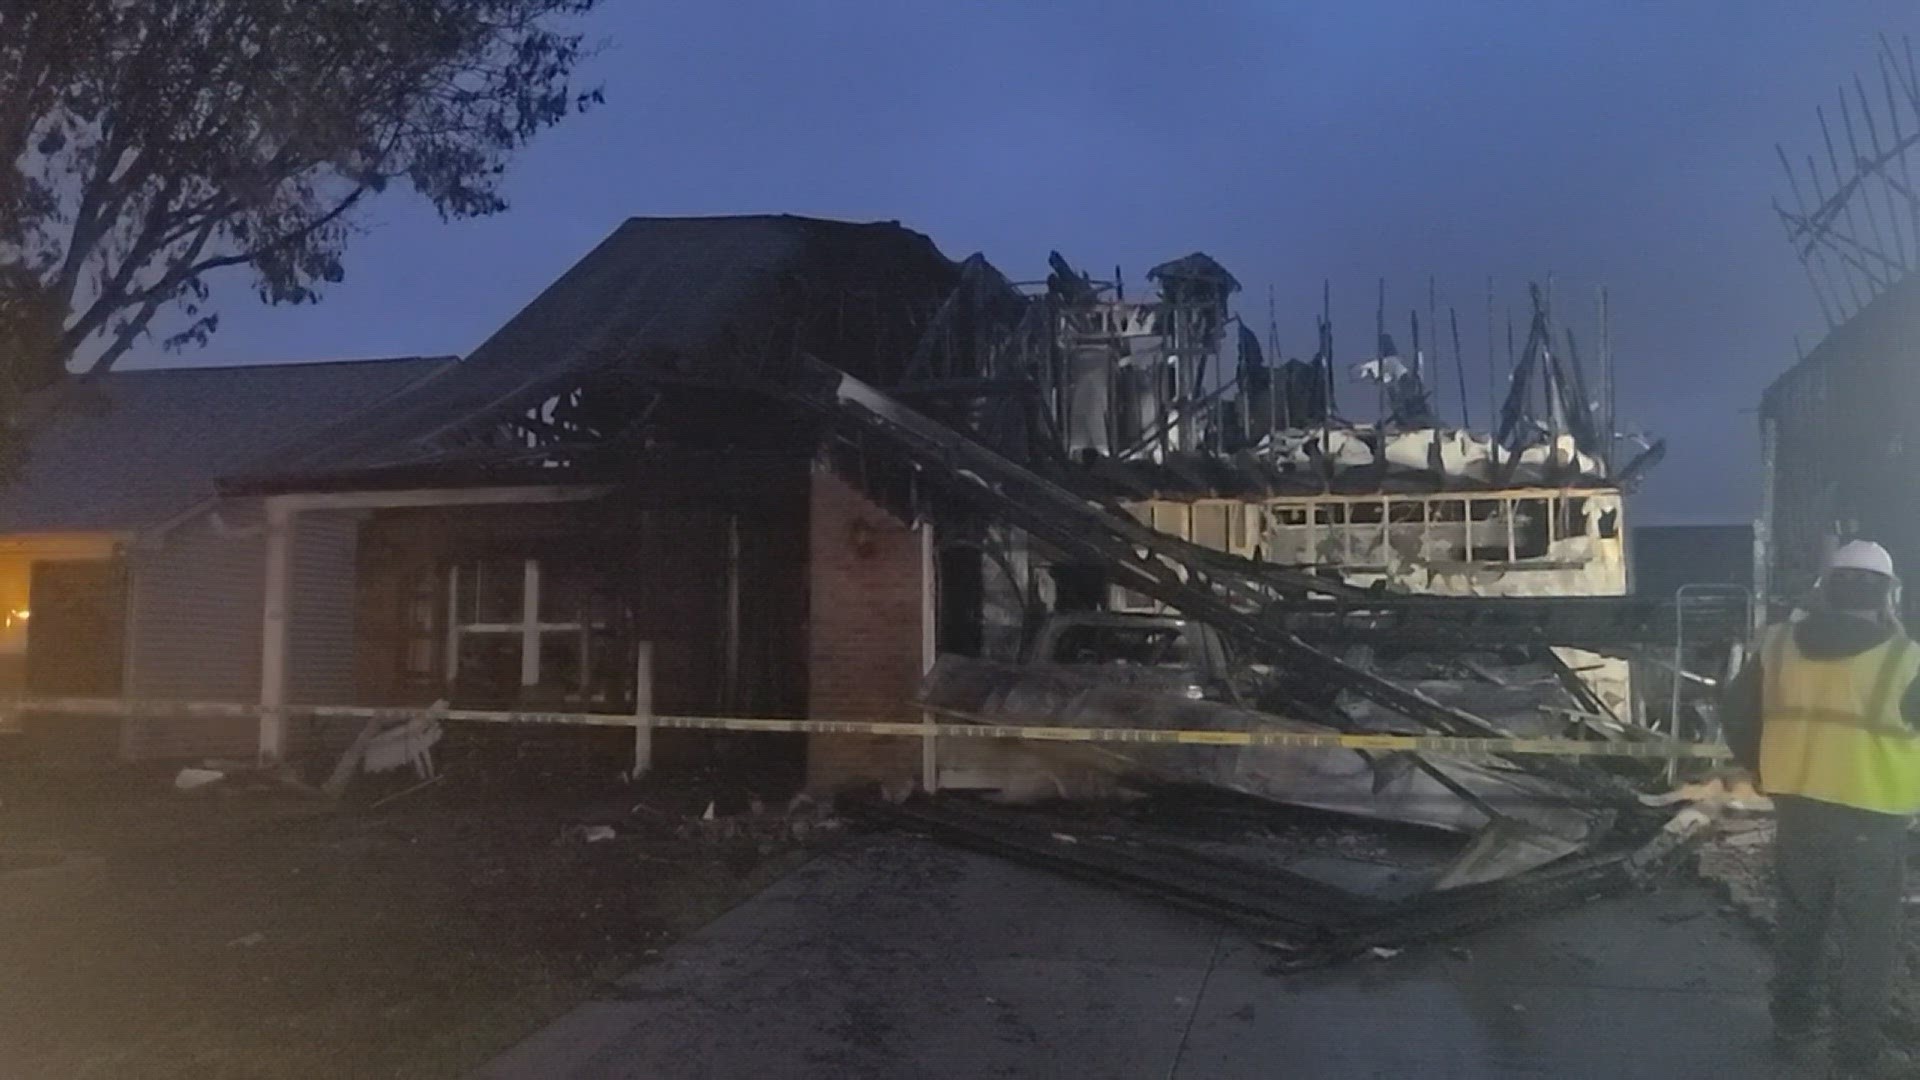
(898, 957)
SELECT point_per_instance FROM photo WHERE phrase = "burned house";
(615, 491)
(1171, 410)
(612, 468)
(726, 471)
(773, 466)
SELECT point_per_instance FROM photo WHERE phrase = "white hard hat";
(1862, 555)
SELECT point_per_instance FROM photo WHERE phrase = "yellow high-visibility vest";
(1832, 729)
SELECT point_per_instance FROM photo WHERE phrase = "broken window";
(1289, 539)
(1367, 534)
(1407, 528)
(1152, 646)
(521, 628)
(1173, 519)
(586, 632)
(1446, 536)
(1487, 536)
(1329, 534)
(485, 631)
(489, 593)
(1531, 532)
(1572, 519)
(419, 610)
(1210, 525)
(1237, 523)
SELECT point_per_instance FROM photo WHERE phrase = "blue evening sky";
(1629, 144)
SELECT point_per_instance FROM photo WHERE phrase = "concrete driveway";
(894, 957)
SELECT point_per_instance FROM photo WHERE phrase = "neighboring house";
(1839, 444)
(123, 572)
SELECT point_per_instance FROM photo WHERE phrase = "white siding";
(195, 625)
(320, 612)
(194, 632)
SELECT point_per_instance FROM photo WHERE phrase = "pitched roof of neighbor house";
(697, 298)
(131, 450)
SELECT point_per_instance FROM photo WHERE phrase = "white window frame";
(531, 631)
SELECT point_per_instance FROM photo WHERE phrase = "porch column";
(1763, 532)
(273, 631)
(929, 652)
(530, 624)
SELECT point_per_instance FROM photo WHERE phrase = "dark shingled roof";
(681, 298)
(133, 449)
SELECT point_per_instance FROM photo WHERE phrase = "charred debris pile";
(1186, 542)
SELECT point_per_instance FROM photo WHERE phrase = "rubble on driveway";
(1740, 865)
(1734, 850)
(1518, 820)
(1312, 887)
(1326, 852)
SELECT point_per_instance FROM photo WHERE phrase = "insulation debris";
(1437, 454)
(194, 779)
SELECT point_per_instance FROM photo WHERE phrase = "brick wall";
(866, 650)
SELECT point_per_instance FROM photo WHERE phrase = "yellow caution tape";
(1294, 740)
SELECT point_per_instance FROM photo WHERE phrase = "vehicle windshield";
(1163, 646)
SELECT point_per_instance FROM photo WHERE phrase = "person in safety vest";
(1827, 716)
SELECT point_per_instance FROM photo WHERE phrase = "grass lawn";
(264, 934)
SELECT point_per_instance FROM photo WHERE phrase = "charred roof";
(718, 301)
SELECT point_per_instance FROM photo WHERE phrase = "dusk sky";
(1624, 144)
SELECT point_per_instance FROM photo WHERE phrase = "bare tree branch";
(147, 145)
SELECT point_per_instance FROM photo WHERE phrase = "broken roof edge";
(655, 298)
(1196, 267)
